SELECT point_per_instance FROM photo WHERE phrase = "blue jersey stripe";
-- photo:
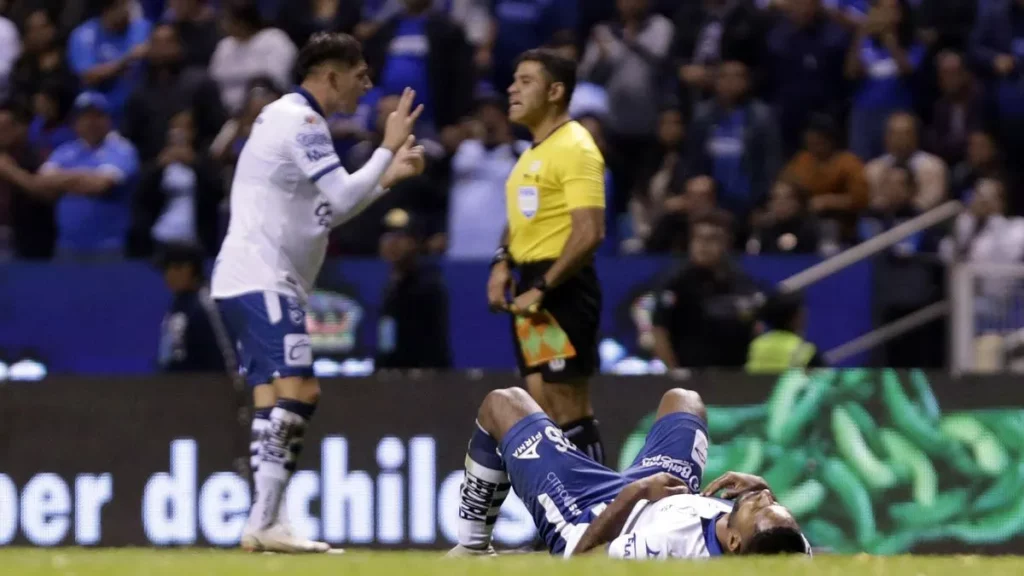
(324, 172)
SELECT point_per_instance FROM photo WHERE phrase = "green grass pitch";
(142, 562)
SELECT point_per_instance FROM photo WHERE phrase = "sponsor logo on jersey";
(560, 494)
(528, 449)
(629, 548)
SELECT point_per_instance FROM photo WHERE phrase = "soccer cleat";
(461, 551)
(279, 538)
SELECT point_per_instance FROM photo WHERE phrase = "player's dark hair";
(325, 47)
(777, 540)
(106, 5)
(181, 254)
(824, 126)
(558, 69)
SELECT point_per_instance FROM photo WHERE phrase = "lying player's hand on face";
(401, 122)
(664, 485)
(733, 484)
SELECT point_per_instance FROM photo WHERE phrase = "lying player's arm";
(608, 525)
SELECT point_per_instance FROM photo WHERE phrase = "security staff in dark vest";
(193, 338)
(782, 346)
(412, 330)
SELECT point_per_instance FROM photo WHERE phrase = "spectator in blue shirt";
(423, 49)
(882, 59)
(105, 52)
(91, 179)
(735, 139)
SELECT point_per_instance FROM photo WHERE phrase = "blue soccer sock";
(484, 489)
(279, 453)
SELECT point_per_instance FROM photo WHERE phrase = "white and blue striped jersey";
(681, 526)
(289, 190)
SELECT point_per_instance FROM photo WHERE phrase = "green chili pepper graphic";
(894, 543)
(989, 454)
(852, 447)
(866, 424)
(804, 499)
(857, 384)
(911, 420)
(787, 467)
(947, 505)
(724, 422)
(993, 529)
(925, 397)
(744, 454)
(1002, 492)
(843, 482)
(924, 480)
(824, 534)
(1007, 425)
(790, 412)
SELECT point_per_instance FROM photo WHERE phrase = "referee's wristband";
(501, 255)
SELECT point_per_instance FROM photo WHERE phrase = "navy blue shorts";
(677, 444)
(564, 489)
(269, 332)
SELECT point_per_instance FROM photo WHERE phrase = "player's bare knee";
(502, 409)
(681, 400)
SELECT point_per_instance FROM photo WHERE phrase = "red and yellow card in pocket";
(542, 339)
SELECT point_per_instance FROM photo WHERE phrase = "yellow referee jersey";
(563, 172)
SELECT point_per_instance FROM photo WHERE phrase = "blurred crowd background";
(787, 126)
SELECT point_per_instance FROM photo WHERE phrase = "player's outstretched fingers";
(718, 484)
(415, 114)
(405, 102)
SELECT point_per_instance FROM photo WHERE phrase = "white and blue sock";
(484, 489)
(260, 425)
(279, 453)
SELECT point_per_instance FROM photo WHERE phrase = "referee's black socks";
(586, 436)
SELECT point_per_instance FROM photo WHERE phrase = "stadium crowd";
(813, 123)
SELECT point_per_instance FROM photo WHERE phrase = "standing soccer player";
(288, 192)
(555, 203)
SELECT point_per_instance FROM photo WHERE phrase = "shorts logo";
(556, 365)
(528, 450)
(295, 312)
(298, 350)
(699, 454)
(679, 468)
(557, 437)
(529, 200)
(629, 547)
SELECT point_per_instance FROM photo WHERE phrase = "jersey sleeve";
(311, 148)
(583, 179)
(80, 53)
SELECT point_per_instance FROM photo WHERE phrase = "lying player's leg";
(516, 443)
(568, 404)
(678, 441)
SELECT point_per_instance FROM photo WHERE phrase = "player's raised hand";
(663, 485)
(409, 161)
(733, 484)
(401, 122)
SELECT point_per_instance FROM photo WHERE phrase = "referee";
(555, 203)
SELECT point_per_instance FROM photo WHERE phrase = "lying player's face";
(528, 95)
(350, 84)
(754, 512)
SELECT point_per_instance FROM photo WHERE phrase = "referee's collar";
(310, 100)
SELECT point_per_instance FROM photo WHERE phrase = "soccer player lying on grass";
(652, 510)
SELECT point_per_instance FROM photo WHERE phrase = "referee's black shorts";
(576, 306)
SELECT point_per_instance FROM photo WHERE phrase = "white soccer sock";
(278, 457)
(484, 489)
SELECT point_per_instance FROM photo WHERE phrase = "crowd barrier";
(103, 319)
(869, 461)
